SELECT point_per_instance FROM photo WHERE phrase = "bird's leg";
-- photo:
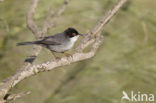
(55, 55)
(67, 54)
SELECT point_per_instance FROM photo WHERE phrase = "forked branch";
(8, 84)
(93, 38)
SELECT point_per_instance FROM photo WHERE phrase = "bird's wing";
(51, 40)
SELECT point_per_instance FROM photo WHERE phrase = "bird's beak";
(81, 34)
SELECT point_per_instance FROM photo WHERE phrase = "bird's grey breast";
(65, 43)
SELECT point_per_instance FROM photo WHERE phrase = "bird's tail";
(27, 43)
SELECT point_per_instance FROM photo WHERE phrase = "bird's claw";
(68, 55)
(57, 58)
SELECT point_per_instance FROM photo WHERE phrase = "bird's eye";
(73, 34)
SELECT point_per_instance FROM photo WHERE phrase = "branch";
(10, 97)
(101, 23)
(93, 37)
(30, 22)
(49, 65)
(50, 22)
(7, 85)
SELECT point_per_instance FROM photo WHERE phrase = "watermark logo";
(137, 97)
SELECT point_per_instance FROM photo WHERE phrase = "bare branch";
(9, 83)
(49, 65)
(65, 60)
(46, 25)
(103, 21)
(50, 22)
(29, 70)
(30, 22)
(10, 97)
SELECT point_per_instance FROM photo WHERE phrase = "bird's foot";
(68, 55)
(57, 58)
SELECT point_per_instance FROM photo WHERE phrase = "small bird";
(59, 43)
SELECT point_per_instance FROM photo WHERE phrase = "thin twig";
(50, 22)
(16, 96)
(30, 22)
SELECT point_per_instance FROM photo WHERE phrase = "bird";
(59, 43)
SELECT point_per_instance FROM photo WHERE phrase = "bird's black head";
(71, 32)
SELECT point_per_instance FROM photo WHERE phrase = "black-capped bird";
(59, 43)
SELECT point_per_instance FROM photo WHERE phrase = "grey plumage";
(60, 42)
(26, 43)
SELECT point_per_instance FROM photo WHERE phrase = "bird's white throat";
(74, 39)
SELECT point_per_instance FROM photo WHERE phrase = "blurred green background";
(126, 60)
